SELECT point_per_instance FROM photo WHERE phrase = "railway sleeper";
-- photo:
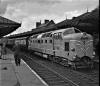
(50, 79)
(58, 83)
(53, 77)
(42, 73)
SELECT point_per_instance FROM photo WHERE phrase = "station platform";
(12, 75)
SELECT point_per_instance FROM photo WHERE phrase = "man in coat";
(16, 55)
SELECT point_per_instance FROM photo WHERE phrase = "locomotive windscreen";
(77, 30)
(69, 31)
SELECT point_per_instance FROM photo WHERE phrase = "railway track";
(51, 77)
(57, 75)
(85, 77)
(93, 75)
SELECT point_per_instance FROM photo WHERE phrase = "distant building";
(46, 23)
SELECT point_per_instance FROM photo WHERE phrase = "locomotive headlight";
(74, 57)
(93, 54)
(73, 49)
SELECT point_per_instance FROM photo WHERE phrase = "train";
(69, 46)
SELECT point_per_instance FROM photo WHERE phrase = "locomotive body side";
(65, 46)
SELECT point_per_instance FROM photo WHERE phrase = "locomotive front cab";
(84, 46)
(82, 49)
(78, 47)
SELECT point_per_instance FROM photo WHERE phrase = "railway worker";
(16, 55)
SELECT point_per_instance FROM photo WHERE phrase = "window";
(30, 40)
(38, 41)
(48, 34)
(35, 36)
(77, 30)
(69, 31)
(41, 41)
(50, 41)
(44, 35)
(45, 41)
(51, 35)
(55, 35)
(59, 35)
(66, 46)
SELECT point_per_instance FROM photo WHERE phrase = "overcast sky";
(30, 11)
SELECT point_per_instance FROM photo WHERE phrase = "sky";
(28, 12)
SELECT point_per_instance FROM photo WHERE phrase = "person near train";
(17, 57)
(3, 52)
(0, 52)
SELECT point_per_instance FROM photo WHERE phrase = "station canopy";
(87, 22)
(7, 26)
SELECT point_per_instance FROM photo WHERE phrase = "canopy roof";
(7, 26)
(87, 22)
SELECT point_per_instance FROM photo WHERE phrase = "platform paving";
(12, 75)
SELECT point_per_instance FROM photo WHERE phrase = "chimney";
(46, 21)
(38, 24)
(73, 17)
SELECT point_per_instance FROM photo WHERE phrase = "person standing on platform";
(3, 51)
(0, 52)
(16, 55)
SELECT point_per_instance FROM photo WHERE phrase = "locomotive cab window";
(77, 30)
(66, 46)
(70, 31)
